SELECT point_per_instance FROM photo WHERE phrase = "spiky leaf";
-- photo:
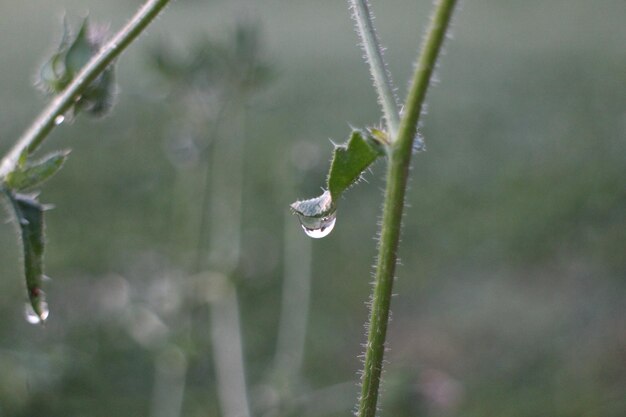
(29, 214)
(349, 162)
(317, 215)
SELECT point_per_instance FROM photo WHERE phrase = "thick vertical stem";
(397, 176)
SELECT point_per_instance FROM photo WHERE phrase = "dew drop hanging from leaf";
(32, 317)
(318, 228)
(318, 215)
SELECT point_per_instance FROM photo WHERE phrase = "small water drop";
(32, 317)
(59, 119)
(318, 227)
(24, 222)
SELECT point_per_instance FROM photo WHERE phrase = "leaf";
(349, 162)
(71, 56)
(98, 98)
(29, 214)
(317, 215)
(27, 175)
(53, 76)
(80, 50)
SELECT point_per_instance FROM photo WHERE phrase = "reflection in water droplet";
(318, 227)
(59, 119)
(34, 318)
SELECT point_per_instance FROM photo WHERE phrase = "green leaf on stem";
(30, 174)
(350, 160)
(29, 214)
(72, 55)
(81, 49)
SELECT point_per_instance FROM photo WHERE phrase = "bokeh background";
(511, 297)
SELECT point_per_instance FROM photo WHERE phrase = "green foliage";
(85, 54)
(30, 174)
(29, 214)
(74, 51)
(513, 243)
(349, 162)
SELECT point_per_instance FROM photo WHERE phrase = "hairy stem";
(397, 175)
(44, 123)
(378, 68)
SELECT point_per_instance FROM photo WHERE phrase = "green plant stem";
(378, 68)
(45, 122)
(397, 175)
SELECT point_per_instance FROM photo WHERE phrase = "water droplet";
(32, 317)
(317, 215)
(318, 227)
(24, 222)
(59, 119)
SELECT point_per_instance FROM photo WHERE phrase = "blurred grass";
(512, 285)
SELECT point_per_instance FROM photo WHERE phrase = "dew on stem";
(59, 119)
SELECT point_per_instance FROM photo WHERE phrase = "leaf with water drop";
(30, 174)
(29, 214)
(318, 215)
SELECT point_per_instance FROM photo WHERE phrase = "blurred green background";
(511, 294)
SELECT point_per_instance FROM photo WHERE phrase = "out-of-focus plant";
(397, 140)
(80, 77)
(213, 88)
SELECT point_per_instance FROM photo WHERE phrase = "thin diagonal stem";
(44, 123)
(397, 175)
(378, 68)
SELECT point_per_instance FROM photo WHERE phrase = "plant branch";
(45, 122)
(378, 68)
(397, 175)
